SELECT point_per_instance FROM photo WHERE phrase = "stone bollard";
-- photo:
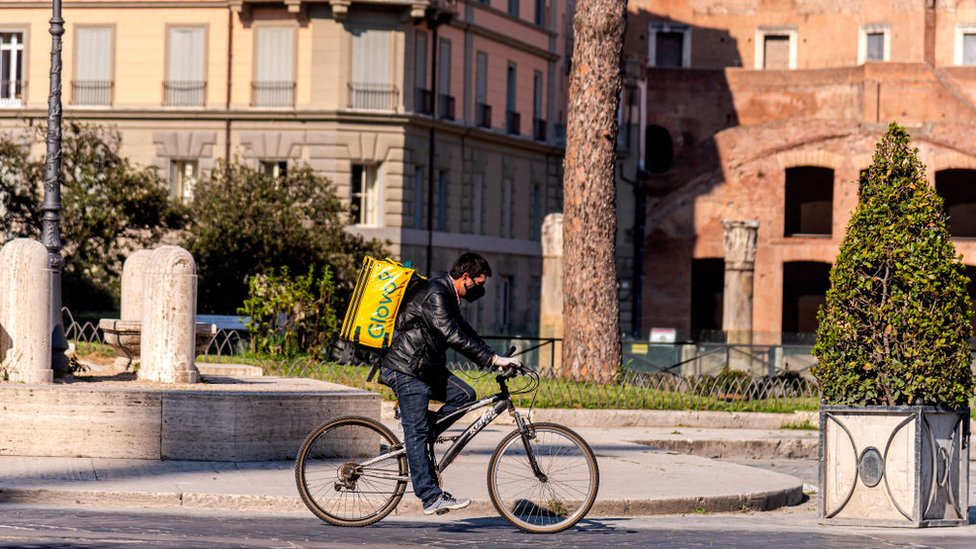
(133, 275)
(123, 333)
(169, 317)
(25, 312)
(551, 300)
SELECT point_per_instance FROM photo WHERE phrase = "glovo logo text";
(380, 317)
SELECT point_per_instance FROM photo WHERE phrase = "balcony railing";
(273, 94)
(539, 129)
(12, 93)
(483, 115)
(424, 102)
(513, 123)
(184, 93)
(92, 92)
(382, 97)
(445, 106)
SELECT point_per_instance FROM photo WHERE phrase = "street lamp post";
(51, 220)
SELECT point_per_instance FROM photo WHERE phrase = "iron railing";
(483, 115)
(184, 93)
(424, 101)
(383, 97)
(273, 94)
(513, 123)
(12, 93)
(637, 385)
(445, 106)
(92, 92)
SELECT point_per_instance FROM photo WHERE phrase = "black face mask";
(473, 293)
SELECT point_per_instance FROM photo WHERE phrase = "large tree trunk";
(591, 348)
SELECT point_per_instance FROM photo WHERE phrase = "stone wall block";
(25, 311)
(169, 317)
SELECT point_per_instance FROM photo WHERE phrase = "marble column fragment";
(169, 317)
(740, 268)
(25, 312)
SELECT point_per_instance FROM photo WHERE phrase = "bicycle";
(542, 477)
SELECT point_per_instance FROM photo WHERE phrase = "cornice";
(404, 120)
(118, 5)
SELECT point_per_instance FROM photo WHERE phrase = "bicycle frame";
(498, 402)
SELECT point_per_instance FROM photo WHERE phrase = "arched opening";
(809, 201)
(659, 150)
(957, 188)
(805, 285)
(707, 295)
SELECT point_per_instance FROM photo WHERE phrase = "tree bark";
(591, 348)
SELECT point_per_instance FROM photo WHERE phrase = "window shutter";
(94, 55)
(186, 55)
(276, 54)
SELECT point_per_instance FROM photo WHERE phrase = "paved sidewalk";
(636, 479)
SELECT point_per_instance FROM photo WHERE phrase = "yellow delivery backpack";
(371, 316)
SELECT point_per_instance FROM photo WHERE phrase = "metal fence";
(639, 384)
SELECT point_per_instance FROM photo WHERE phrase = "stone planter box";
(124, 337)
(902, 466)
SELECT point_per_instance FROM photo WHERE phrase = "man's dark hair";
(470, 263)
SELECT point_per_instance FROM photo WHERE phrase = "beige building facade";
(768, 111)
(360, 91)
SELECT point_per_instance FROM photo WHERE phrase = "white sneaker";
(444, 503)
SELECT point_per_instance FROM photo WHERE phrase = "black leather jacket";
(429, 322)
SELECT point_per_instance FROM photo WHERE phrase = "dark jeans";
(419, 431)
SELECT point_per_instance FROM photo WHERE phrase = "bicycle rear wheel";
(563, 494)
(347, 474)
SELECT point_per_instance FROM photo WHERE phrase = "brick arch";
(949, 160)
(807, 157)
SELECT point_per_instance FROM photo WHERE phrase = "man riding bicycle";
(415, 367)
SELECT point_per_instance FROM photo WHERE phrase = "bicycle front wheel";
(350, 473)
(563, 491)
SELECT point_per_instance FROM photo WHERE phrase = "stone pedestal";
(169, 317)
(551, 300)
(25, 312)
(740, 266)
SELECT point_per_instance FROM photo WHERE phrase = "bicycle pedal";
(442, 511)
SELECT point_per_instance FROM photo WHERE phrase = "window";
(669, 45)
(965, 45)
(957, 187)
(423, 102)
(707, 294)
(809, 201)
(275, 169)
(364, 195)
(93, 66)
(805, 285)
(507, 207)
(185, 84)
(371, 82)
(513, 8)
(418, 198)
(538, 122)
(478, 204)
(445, 101)
(442, 183)
(535, 213)
(659, 149)
(274, 73)
(873, 43)
(482, 108)
(513, 120)
(776, 48)
(503, 312)
(183, 177)
(11, 69)
(540, 12)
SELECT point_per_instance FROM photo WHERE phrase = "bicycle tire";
(550, 505)
(332, 484)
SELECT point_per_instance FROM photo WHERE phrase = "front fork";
(528, 433)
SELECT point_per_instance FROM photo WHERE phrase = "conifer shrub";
(895, 327)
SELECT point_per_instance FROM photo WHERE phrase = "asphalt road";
(34, 527)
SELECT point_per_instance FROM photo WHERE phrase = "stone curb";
(785, 448)
(760, 501)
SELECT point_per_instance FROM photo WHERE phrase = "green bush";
(290, 316)
(244, 222)
(896, 323)
(109, 207)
